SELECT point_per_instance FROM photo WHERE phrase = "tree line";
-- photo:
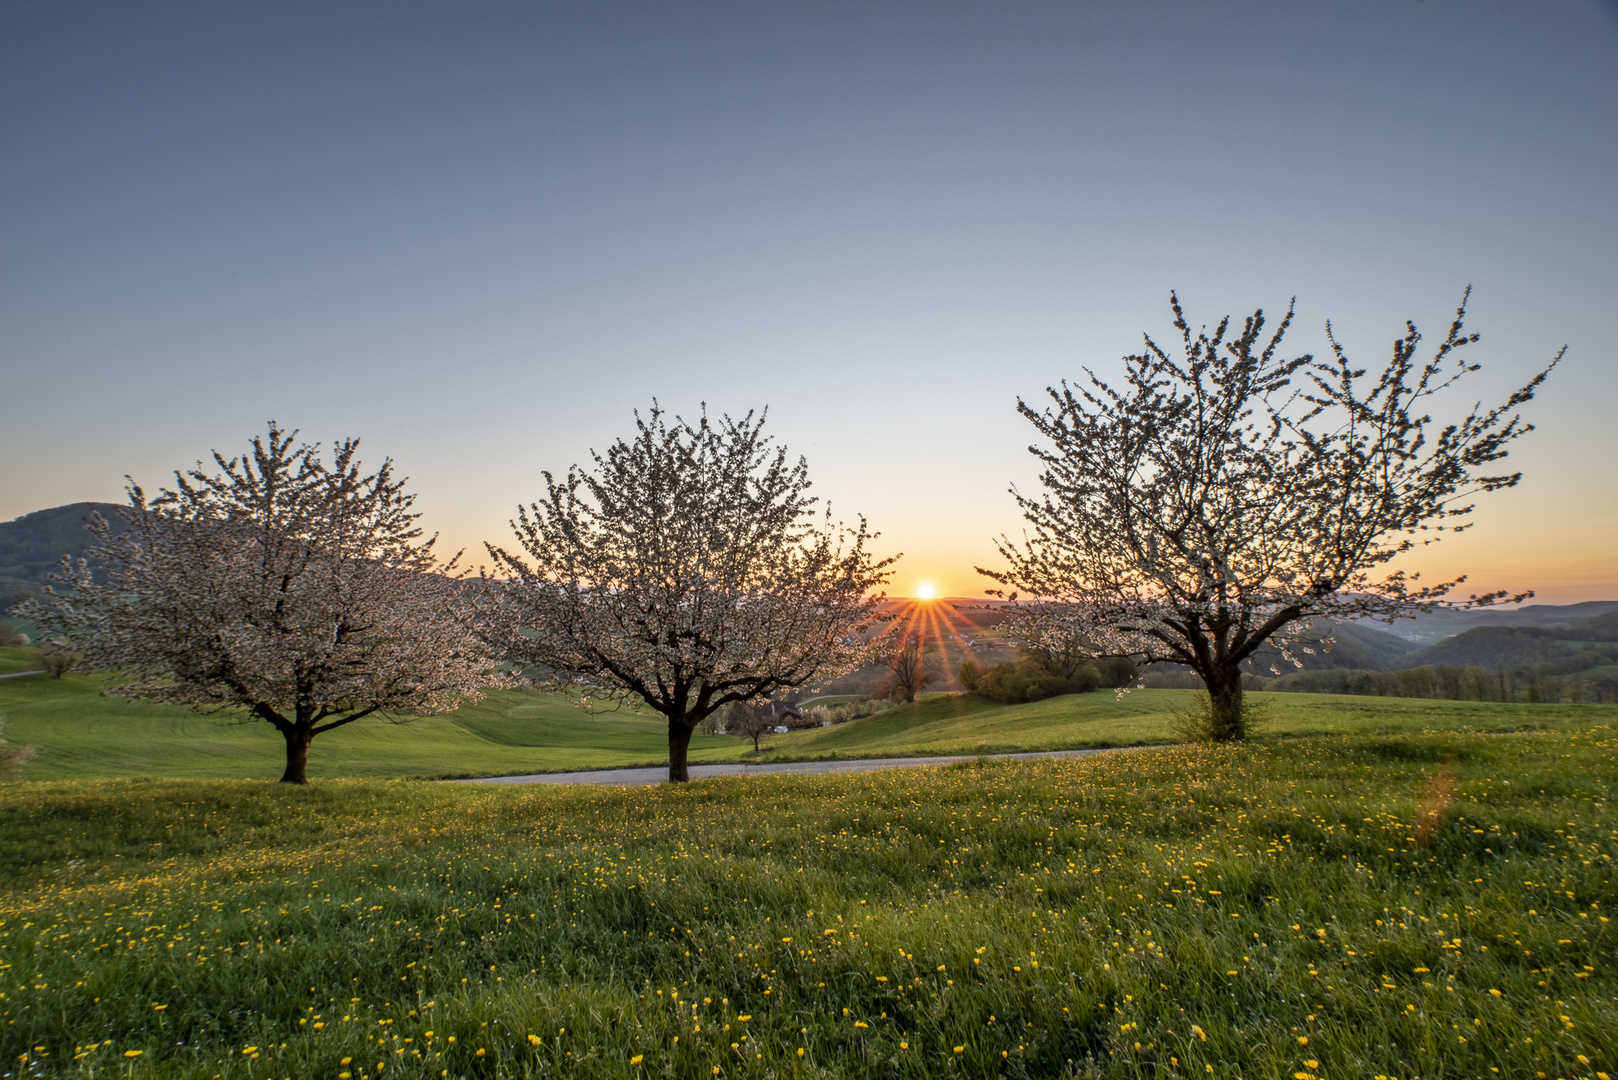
(1531, 683)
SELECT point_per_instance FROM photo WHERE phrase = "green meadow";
(1373, 887)
(1400, 905)
(80, 733)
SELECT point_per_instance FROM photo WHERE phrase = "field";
(1431, 905)
(80, 734)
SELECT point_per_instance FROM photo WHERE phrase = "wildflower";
(636, 1060)
(1303, 1040)
(133, 1053)
(1199, 1033)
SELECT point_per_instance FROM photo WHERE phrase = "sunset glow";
(925, 591)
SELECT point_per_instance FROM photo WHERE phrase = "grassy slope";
(80, 734)
(1332, 906)
(18, 658)
(969, 725)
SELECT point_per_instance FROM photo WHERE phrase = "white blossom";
(686, 570)
(1223, 498)
(300, 592)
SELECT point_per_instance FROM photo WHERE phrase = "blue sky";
(479, 235)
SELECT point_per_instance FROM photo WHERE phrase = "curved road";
(660, 774)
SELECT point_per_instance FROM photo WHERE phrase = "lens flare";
(925, 591)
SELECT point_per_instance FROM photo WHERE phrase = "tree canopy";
(687, 569)
(1222, 497)
(300, 591)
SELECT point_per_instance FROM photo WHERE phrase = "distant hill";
(1354, 645)
(1437, 625)
(1600, 628)
(1494, 646)
(31, 546)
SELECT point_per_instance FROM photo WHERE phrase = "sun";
(925, 591)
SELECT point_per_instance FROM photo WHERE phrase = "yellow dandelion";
(636, 1060)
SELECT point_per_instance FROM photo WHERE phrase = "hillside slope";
(1494, 646)
(31, 546)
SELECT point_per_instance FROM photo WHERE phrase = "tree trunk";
(297, 756)
(679, 744)
(1226, 722)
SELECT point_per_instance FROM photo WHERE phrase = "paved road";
(660, 774)
(18, 674)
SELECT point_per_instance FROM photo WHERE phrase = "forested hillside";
(32, 545)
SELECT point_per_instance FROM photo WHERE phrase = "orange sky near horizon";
(1507, 549)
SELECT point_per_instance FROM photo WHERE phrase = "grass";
(1426, 904)
(972, 725)
(80, 734)
(18, 658)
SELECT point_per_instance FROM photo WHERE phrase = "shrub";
(1028, 680)
(1118, 671)
(1197, 723)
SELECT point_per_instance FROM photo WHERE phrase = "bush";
(841, 714)
(1118, 672)
(1196, 722)
(59, 660)
(1028, 680)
